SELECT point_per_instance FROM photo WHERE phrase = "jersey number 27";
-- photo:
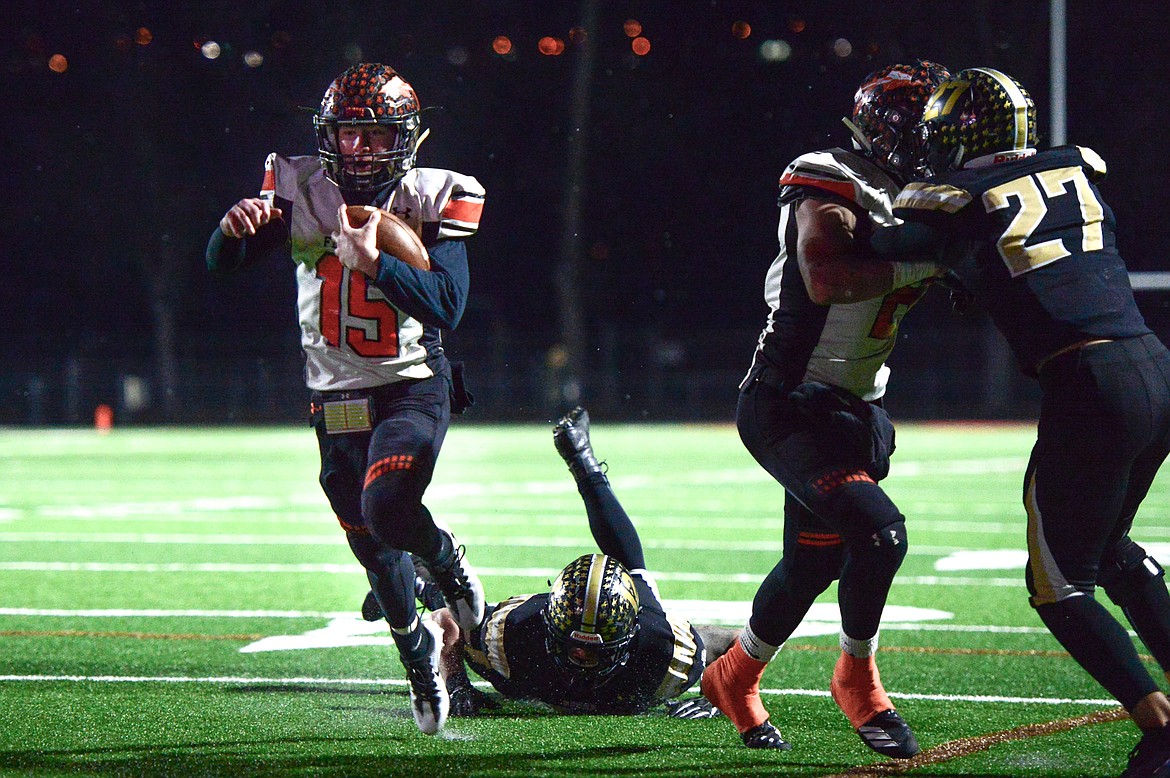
(1036, 193)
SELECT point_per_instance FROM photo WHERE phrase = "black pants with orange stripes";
(1103, 434)
(838, 523)
(375, 481)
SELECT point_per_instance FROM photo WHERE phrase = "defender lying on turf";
(600, 640)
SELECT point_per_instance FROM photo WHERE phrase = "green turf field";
(182, 602)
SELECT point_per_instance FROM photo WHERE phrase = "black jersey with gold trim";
(1034, 241)
(509, 651)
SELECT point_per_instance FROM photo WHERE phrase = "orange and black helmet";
(368, 94)
(887, 109)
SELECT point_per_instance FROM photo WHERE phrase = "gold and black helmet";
(592, 615)
(980, 112)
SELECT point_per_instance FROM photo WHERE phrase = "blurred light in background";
(58, 63)
(551, 46)
(741, 30)
(842, 48)
(775, 51)
(641, 46)
(457, 55)
(632, 28)
(253, 59)
(210, 49)
(578, 35)
(143, 36)
(502, 45)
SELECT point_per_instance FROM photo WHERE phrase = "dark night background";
(117, 170)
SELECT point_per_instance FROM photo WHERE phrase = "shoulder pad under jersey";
(451, 201)
(927, 196)
(844, 174)
(283, 176)
(1095, 167)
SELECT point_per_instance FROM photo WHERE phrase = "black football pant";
(375, 482)
(1104, 431)
(838, 523)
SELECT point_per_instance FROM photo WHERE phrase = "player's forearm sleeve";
(226, 255)
(435, 297)
(908, 242)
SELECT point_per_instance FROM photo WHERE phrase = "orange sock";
(732, 684)
(857, 689)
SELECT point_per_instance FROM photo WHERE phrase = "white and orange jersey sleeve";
(438, 204)
(846, 175)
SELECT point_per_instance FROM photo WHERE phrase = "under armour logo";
(401, 212)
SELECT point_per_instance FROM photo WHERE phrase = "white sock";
(756, 648)
(859, 648)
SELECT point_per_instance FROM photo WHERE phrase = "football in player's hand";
(395, 236)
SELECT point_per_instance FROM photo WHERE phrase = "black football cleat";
(889, 735)
(1150, 758)
(571, 438)
(765, 736)
(426, 591)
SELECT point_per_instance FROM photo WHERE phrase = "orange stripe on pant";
(818, 539)
(383, 466)
(837, 478)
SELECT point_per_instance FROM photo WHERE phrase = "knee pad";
(867, 519)
(393, 512)
(1127, 571)
(887, 545)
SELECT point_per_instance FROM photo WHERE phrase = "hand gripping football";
(394, 235)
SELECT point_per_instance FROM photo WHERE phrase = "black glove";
(466, 700)
(962, 298)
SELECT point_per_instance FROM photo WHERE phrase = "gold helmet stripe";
(1019, 105)
(594, 586)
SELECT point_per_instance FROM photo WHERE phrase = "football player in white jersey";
(382, 387)
(810, 410)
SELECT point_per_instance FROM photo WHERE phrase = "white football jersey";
(352, 336)
(841, 344)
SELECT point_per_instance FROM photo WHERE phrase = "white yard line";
(301, 681)
(355, 569)
(337, 539)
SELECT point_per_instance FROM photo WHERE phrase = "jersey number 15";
(374, 332)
